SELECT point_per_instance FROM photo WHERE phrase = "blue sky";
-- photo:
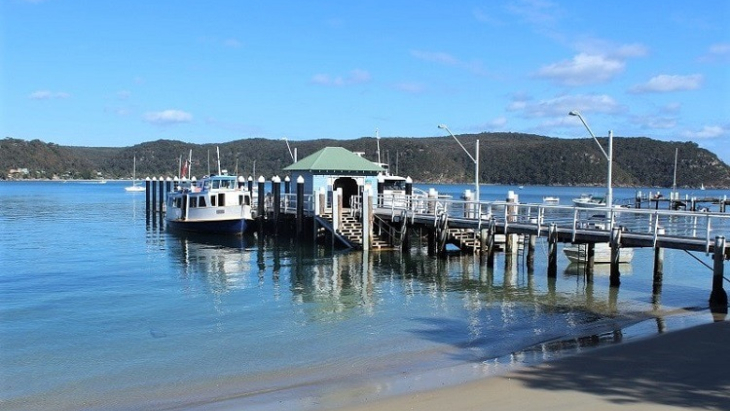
(118, 73)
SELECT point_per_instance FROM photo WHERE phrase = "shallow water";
(104, 309)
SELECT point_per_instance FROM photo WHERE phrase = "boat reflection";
(601, 270)
(220, 263)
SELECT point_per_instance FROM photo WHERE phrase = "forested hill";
(505, 158)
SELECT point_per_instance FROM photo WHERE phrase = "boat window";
(212, 201)
(216, 184)
(221, 199)
(193, 202)
(201, 201)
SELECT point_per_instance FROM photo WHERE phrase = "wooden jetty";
(370, 221)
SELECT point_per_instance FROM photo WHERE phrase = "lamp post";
(475, 160)
(609, 155)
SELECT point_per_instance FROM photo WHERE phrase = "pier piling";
(718, 297)
(615, 244)
(552, 251)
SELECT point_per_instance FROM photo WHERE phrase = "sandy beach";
(686, 369)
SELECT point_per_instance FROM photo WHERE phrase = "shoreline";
(684, 369)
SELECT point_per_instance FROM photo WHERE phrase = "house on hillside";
(335, 167)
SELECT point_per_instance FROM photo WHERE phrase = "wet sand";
(687, 369)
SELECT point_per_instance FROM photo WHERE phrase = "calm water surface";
(102, 309)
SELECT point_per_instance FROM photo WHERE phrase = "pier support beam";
(276, 188)
(300, 206)
(718, 297)
(615, 244)
(261, 207)
(658, 263)
(552, 251)
(161, 193)
(147, 194)
(532, 240)
(491, 232)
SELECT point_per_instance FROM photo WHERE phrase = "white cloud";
(541, 13)
(665, 83)
(498, 122)
(408, 87)
(447, 59)
(47, 95)
(436, 57)
(583, 69)
(720, 49)
(356, 76)
(717, 53)
(233, 43)
(707, 132)
(561, 106)
(655, 122)
(124, 94)
(168, 117)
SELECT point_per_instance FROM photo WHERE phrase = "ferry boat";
(218, 204)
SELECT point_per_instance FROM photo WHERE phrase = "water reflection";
(223, 263)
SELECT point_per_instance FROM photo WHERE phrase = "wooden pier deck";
(474, 226)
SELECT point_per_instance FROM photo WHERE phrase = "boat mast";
(377, 137)
(218, 154)
(190, 164)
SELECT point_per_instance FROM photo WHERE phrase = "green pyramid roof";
(335, 159)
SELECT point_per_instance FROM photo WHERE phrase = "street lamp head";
(574, 113)
(442, 126)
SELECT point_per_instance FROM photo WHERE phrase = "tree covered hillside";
(505, 158)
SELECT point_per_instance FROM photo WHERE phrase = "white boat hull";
(578, 253)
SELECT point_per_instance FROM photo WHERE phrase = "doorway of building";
(349, 188)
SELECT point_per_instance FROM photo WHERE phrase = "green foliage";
(505, 158)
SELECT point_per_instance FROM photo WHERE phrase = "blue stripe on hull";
(211, 227)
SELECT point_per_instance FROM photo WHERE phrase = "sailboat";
(134, 187)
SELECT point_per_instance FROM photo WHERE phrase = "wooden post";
(276, 188)
(153, 205)
(658, 261)
(366, 217)
(532, 239)
(590, 260)
(300, 206)
(491, 232)
(147, 194)
(409, 192)
(250, 185)
(261, 197)
(553, 251)
(161, 193)
(718, 297)
(381, 187)
(615, 244)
